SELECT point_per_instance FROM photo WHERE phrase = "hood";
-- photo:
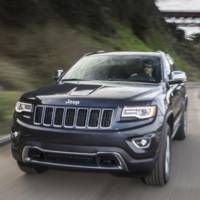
(94, 93)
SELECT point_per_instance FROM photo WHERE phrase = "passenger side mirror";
(178, 77)
(58, 74)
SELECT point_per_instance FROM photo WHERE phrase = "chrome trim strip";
(26, 116)
(87, 118)
(43, 114)
(75, 117)
(64, 116)
(100, 118)
(27, 159)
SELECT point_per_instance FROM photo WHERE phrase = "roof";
(120, 53)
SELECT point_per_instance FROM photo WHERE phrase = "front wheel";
(31, 170)
(161, 172)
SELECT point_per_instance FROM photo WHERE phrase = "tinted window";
(117, 68)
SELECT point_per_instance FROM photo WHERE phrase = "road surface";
(56, 185)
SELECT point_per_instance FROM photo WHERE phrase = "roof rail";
(159, 51)
(95, 52)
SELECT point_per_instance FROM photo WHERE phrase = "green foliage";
(125, 40)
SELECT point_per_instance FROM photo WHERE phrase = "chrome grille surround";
(120, 166)
(72, 117)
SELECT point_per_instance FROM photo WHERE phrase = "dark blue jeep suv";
(114, 112)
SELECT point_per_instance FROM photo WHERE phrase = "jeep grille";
(71, 117)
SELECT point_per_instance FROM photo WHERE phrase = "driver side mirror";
(178, 77)
(58, 74)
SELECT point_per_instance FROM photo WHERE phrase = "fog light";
(142, 143)
(16, 134)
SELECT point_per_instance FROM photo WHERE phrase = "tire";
(31, 170)
(161, 172)
(182, 130)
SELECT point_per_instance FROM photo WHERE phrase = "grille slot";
(81, 118)
(38, 115)
(48, 116)
(69, 118)
(94, 118)
(106, 118)
(58, 117)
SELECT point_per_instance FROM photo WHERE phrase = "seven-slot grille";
(70, 117)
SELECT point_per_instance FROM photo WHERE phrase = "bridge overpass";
(182, 18)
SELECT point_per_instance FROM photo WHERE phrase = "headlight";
(139, 112)
(23, 107)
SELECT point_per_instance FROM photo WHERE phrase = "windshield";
(131, 68)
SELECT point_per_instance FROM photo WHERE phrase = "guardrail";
(4, 140)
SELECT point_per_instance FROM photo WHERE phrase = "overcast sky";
(181, 5)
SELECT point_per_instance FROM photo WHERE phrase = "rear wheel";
(31, 170)
(161, 172)
(182, 131)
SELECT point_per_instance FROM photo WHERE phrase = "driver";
(148, 68)
(147, 72)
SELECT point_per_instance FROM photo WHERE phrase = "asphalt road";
(56, 185)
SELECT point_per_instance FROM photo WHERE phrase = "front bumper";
(116, 144)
